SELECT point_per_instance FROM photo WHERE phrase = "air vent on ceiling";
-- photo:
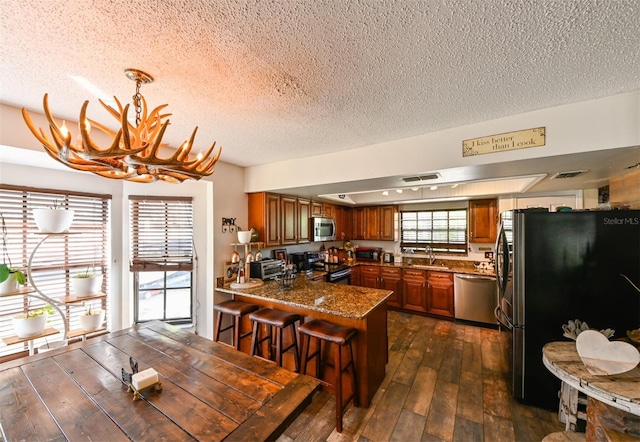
(571, 174)
(413, 179)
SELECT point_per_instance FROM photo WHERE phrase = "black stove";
(336, 273)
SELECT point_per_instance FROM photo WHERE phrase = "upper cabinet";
(483, 220)
(304, 213)
(358, 223)
(344, 223)
(380, 222)
(264, 216)
(284, 220)
(289, 207)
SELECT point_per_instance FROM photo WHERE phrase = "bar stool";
(279, 320)
(341, 336)
(238, 310)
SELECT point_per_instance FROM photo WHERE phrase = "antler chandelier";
(133, 153)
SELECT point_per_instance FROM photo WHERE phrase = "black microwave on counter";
(367, 254)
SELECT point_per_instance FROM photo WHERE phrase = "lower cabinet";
(391, 279)
(369, 276)
(440, 294)
(355, 275)
(415, 290)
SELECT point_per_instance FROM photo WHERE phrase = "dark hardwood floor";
(445, 381)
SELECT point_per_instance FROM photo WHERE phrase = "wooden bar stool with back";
(342, 337)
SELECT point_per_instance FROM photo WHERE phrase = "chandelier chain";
(137, 101)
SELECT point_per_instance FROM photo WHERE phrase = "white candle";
(144, 379)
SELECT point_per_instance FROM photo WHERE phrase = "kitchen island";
(361, 308)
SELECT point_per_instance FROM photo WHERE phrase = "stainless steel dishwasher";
(475, 298)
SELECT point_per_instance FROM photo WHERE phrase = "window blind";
(443, 230)
(161, 233)
(58, 257)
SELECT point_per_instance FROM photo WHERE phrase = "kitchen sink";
(430, 267)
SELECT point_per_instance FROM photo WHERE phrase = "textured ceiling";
(285, 79)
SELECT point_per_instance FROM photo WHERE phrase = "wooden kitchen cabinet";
(316, 208)
(289, 217)
(414, 286)
(387, 222)
(372, 222)
(355, 275)
(483, 220)
(279, 219)
(344, 229)
(264, 216)
(328, 210)
(304, 213)
(369, 276)
(440, 294)
(391, 279)
(380, 222)
(359, 225)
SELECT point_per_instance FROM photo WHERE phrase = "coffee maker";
(305, 261)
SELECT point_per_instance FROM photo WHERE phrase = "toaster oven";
(267, 268)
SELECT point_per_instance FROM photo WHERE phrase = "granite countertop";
(448, 266)
(336, 299)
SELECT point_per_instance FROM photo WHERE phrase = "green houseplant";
(10, 276)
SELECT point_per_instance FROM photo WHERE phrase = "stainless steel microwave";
(323, 229)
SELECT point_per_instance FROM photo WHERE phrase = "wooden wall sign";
(508, 141)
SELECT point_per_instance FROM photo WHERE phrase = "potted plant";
(86, 283)
(31, 323)
(10, 276)
(92, 319)
(54, 219)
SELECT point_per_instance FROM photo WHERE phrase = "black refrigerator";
(552, 267)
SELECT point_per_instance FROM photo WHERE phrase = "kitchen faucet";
(432, 258)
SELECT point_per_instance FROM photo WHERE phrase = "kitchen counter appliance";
(338, 273)
(323, 229)
(475, 298)
(552, 267)
(368, 254)
(306, 260)
(267, 268)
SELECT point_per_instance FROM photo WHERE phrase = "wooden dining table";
(209, 391)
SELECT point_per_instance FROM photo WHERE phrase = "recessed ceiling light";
(415, 189)
(399, 190)
(453, 186)
(385, 193)
(433, 187)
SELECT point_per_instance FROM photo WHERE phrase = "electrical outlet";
(488, 255)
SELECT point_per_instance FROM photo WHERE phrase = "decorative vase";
(53, 220)
(9, 285)
(86, 286)
(31, 326)
(93, 321)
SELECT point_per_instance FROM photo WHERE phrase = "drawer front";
(388, 271)
(370, 270)
(441, 275)
(414, 273)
